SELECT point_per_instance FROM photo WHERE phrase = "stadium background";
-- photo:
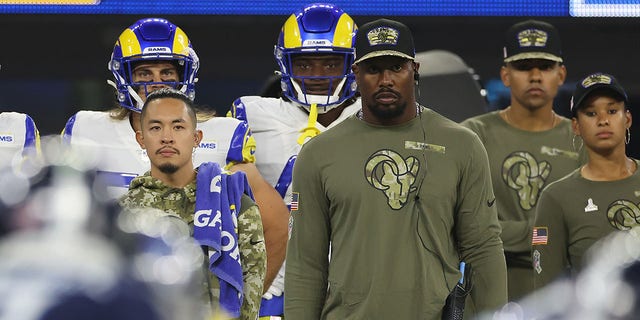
(54, 64)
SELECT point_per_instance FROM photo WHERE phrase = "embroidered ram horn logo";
(388, 172)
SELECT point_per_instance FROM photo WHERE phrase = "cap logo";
(383, 36)
(596, 79)
(532, 38)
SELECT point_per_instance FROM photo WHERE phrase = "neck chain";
(609, 174)
(360, 116)
(508, 110)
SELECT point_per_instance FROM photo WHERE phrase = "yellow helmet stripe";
(291, 30)
(343, 36)
(129, 43)
(180, 42)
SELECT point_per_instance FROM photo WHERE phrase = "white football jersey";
(18, 137)
(110, 146)
(276, 125)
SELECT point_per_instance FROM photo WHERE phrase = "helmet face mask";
(143, 85)
(317, 30)
(151, 40)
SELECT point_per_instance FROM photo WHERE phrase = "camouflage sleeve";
(254, 257)
(139, 197)
(131, 199)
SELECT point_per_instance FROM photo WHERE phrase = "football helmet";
(318, 28)
(152, 39)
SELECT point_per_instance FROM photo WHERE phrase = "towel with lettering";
(218, 195)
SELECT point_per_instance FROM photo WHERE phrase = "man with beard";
(214, 203)
(387, 203)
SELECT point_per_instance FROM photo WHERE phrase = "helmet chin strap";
(138, 101)
(325, 103)
(136, 97)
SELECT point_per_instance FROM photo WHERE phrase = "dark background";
(55, 65)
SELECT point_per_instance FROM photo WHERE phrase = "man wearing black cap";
(528, 145)
(600, 197)
(387, 203)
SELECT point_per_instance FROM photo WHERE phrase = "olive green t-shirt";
(573, 214)
(522, 164)
(397, 207)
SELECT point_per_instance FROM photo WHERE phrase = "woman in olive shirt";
(600, 197)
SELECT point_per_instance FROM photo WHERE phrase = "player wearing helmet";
(150, 54)
(314, 52)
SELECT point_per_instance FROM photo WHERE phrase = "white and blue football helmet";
(318, 28)
(152, 39)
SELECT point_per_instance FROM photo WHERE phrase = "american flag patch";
(294, 201)
(540, 236)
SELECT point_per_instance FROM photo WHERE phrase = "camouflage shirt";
(146, 191)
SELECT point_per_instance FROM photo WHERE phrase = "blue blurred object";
(69, 254)
(277, 7)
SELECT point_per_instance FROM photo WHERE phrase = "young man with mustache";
(174, 185)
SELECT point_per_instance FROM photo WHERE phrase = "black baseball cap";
(532, 39)
(596, 81)
(384, 37)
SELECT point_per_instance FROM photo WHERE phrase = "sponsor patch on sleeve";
(290, 225)
(537, 265)
(540, 236)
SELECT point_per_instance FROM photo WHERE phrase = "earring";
(627, 137)
(573, 143)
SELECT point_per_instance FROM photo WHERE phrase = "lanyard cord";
(310, 130)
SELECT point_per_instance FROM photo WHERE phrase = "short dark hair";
(166, 93)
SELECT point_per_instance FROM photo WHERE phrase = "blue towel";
(273, 307)
(218, 198)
